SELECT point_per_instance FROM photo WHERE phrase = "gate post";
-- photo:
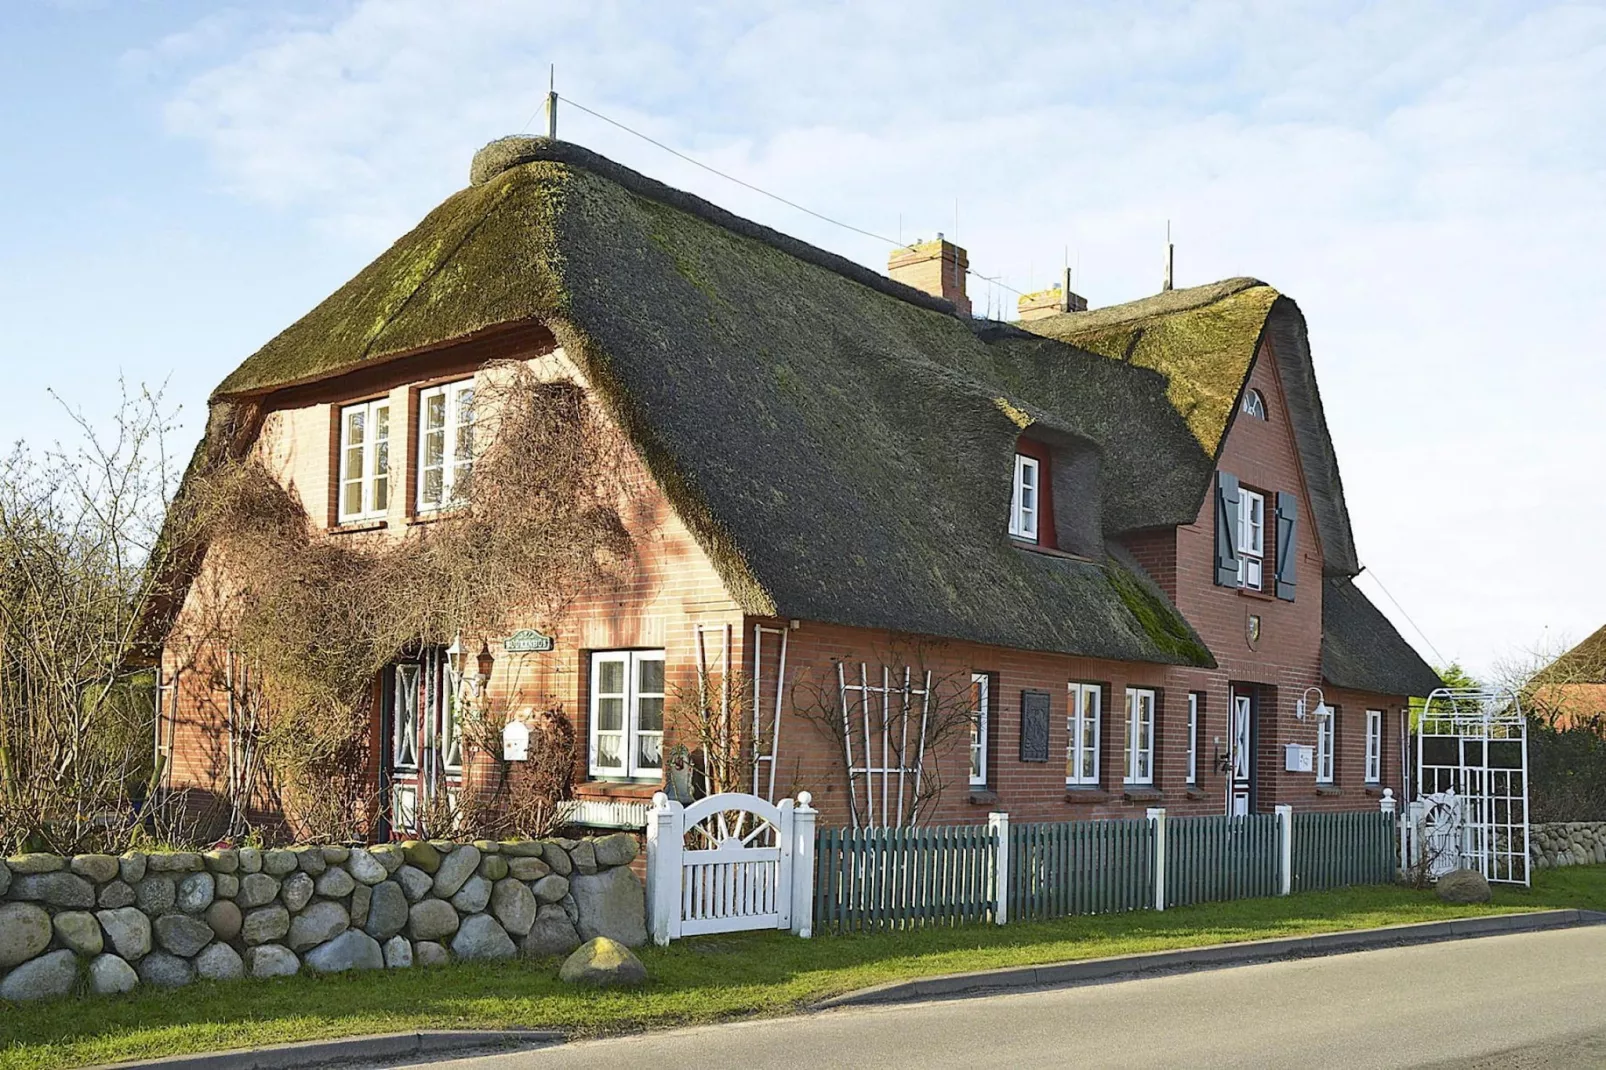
(665, 840)
(999, 823)
(1285, 848)
(802, 891)
(1387, 803)
(1156, 815)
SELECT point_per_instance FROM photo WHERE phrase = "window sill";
(1140, 793)
(1078, 794)
(433, 515)
(1329, 789)
(1195, 792)
(353, 526)
(980, 796)
(1046, 551)
(1259, 596)
(1374, 790)
(635, 789)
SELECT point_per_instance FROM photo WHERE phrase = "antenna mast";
(1170, 256)
(552, 103)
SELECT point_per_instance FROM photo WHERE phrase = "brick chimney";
(1050, 302)
(937, 267)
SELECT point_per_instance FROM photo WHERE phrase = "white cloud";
(1424, 179)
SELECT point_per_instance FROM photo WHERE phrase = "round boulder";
(365, 867)
(480, 938)
(387, 911)
(195, 893)
(612, 904)
(1464, 886)
(79, 931)
(271, 960)
(398, 953)
(225, 919)
(265, 925)
(111, 976)
(219, 962)
(46, 977)
(162, 970)
(24, 933)
(128, 929)
(431, 919)
(321, 921)
(182, 934)
(603, 963)
(97, 868)
(351, 950)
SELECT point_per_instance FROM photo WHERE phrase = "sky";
(181, 180)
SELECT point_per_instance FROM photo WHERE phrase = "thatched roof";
(1583, 664)
(839, 444)
(1362, 651)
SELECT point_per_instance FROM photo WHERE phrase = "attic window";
(1254, 405)
(1024, 506)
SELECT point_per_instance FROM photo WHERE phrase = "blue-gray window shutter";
(1226, 530)
(1287, 553)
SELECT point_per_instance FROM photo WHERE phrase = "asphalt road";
(1532, 999)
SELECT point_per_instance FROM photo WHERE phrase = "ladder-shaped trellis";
(882, 715)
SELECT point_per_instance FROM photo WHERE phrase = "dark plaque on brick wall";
(1034, 707)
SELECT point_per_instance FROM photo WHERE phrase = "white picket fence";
(729, 863)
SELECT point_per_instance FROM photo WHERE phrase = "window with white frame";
(1251, 538)
(1193, 737)
(1374, 746)
(445, 444)
(1082, 722)
(364, 476)
(980, 708)
(1324, 743)
(627, 713)
(1139, 736)
(1023, 506)
(1254, 404)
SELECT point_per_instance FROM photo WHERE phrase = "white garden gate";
(729, 863)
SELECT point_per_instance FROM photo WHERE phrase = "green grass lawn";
(702, 979)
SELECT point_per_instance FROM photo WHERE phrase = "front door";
(424, 759)
(1241, 773)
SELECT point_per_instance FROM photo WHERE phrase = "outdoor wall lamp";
(1321, 702)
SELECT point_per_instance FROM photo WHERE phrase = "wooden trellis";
(887, 710)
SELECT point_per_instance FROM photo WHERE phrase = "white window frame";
(1139, 762)
(1251, 539)
(1326, 724)
(372, 461)
(454, 464)
(1254, 404)
(1026, 500)
(1193, 737)
(980, 716)
(1374, 746)
(630, 732)
(1083, 724)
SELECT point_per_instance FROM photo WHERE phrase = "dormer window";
(1025, 504)
(1254, 405)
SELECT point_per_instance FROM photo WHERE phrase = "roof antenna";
(552, 103)
(1170, 256)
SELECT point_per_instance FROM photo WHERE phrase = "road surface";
(1531, 999)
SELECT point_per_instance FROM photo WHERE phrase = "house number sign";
(527, 641)
(1034, 707)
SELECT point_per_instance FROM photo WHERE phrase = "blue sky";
(181, 180)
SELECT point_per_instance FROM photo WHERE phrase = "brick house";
(1118, 538)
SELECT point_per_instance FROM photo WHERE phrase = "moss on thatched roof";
(1362, 651)
(840, 444)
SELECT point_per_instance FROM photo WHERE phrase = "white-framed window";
(364, 465)
(1193, 737)
(1324, 744)
(1082, 724)
(1139, 735)
(1251, 538)
(445, 444)
(627, 713)
(1374, 746)
(1254, 405)
(980, 709)
(1023, 506)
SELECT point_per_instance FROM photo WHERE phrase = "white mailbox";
(516, 742)
(1299, 758)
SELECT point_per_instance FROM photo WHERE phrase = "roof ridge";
(1163, 303)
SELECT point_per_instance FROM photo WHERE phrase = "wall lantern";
(1321, 703)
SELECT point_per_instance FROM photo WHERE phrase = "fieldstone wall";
(169, 919)
(1567, 843)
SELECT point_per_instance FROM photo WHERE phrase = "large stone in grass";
(612, 904)
(46, 977)
(219, 962)
(24, 933)
(603, 963)
(473, 895)
(551, 934)
(1463, 886)
(271, 960)
(351, 950)
(455, 869)
(619, 849)
(161, 970)
(196, 892)
(481, 939)
(296, 891)
(514, 906)
(398, 953)
(111, 976)
(128, 929)
(77, 930)
(387, 911)
(265, 925)
(182, 934)
(321, 921)
(365, 867)
(431, 919)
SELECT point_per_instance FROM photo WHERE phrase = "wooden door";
(423, 769)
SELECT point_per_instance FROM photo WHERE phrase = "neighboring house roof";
(1583, 664)
(841, 445)
(1362, 651)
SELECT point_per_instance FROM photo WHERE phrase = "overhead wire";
(1380, 586)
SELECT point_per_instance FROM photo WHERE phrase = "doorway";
(423, 769)
(1243, 705)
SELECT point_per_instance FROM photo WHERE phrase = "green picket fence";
(1209, 859)
(901, 878)
(1080, 867)
(1337, 850)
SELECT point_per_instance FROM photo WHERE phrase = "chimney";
(937, 267)
(1051, 302)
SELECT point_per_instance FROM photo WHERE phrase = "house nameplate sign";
(527, 641)
(1034, 708)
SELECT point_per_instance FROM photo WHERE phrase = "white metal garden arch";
(1471, 805)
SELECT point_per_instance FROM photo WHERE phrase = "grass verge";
(698, 980)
